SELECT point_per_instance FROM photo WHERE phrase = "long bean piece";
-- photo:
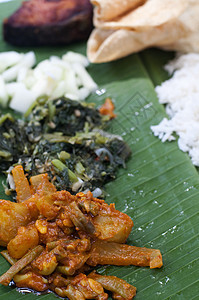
(117, 286)
(110, 253)
(20, 264)
(9, 258)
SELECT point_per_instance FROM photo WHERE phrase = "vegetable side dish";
(67, 140)
(55, 239)
(22, 83)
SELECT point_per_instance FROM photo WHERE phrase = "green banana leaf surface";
(158, 189)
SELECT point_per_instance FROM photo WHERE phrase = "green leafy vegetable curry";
(65, 139)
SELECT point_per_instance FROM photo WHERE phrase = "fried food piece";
(108, 253)
(44, 22)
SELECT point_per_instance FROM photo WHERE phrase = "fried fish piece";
(49, 22)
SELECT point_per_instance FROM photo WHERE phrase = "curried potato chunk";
(26, 239)
(112, 225)
(12, 216)
(22, 185)
(41, 185)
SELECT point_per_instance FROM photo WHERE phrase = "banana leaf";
(158, 189)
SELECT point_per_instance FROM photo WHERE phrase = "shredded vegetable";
(21, 84)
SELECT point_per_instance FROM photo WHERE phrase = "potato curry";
(55, 239)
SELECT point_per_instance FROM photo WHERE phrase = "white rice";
(181, 96)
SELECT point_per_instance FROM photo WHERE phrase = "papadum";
(167, 24)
